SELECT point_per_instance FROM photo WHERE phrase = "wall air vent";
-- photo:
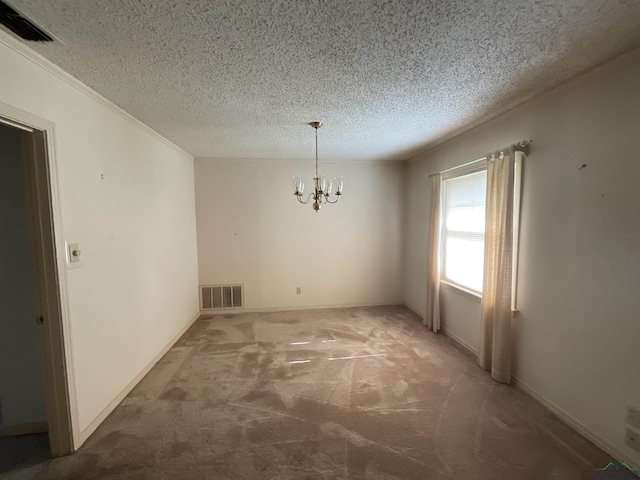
(213, 297)
(20, 25)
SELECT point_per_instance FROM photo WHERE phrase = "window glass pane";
(464, 262)
(463, 233)
(470, 219)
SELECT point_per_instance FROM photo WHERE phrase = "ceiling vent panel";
(214, 297)
(21, 26)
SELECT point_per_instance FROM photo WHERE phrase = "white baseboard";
(413, 309)
(460, 342)
(86, 433)
(573, 423)
(219, 311)
(24, 429)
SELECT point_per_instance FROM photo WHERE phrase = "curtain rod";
(522, 146)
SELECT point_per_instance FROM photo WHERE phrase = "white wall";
(577, 335)
(21, 374)
(251, 230)
(136, 228)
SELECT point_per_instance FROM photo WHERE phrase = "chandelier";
(322, 187)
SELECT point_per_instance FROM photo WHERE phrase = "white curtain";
(432, 316)
(495, 335)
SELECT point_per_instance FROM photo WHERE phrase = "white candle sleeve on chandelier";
(298, 185)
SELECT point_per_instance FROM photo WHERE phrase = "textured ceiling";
(239, 79)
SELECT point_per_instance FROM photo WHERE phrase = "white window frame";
(474, 167)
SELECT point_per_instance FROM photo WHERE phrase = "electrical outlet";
(633, 417)
(632, 439)
(298, 290)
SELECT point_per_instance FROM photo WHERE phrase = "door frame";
(51, 266)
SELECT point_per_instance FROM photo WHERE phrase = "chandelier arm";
(336, 201)
(305, 202)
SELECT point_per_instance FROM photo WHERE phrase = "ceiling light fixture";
(322, 189)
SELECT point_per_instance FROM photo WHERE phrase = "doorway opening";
(35, 406)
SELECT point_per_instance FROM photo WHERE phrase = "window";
(462, 241)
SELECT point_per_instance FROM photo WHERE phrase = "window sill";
(461, 290)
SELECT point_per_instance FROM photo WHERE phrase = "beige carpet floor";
(326, 394)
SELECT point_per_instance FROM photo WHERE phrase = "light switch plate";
(74, 255)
